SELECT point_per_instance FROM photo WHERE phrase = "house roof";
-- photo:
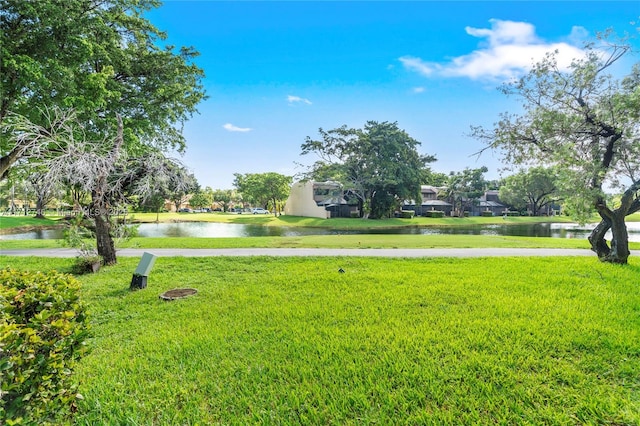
(490, 204)
(426, 189)
(331, 201)
(435, 203)
(327, 185)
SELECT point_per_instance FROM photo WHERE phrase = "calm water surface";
(222, 230)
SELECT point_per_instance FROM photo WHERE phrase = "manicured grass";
(390, 341)
(7, 222)
(362, 241)
(334, 241)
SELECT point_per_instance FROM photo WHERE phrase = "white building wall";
(301, 202)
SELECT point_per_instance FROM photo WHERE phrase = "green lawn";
(7, 222)
(334, 241)
(390, 341)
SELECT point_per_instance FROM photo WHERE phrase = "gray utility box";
(139, 280)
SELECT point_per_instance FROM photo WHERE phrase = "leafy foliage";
(535, 188)
(379, 164)
(224, 197)
(265, 189)
(201, 198)
(102, 168)
(585, 122)
(100, 58)
(43, 329)
(464, 187)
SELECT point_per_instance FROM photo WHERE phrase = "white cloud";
(418, 89)
(578, 35)
(506, 32)
(416, 64)
(511, 48)
(297, 99)
(231, 128)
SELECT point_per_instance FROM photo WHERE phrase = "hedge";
(43, 329)
(433, 213)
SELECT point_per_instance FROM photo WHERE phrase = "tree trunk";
(40, 208)
(614, 220)
(99, 212)
(105, 244)
(596, 239)
(620, 240)
(618, 252)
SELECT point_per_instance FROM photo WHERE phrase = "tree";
(176, 188)
(44, 191)
(435, 178)
(179, 194)
(264, 188)
(379, 164)
(223, 197)
(100, 58)
(201, 198)
(464, 187)
(101, 168)
(154, 203)
(36, 186)
(585, 122)
(322, 171)
(535, 188)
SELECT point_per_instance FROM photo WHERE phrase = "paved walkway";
(438, 252)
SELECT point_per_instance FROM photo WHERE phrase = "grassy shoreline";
(319, 241)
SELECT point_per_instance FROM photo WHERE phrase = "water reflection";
(40, 234)
(222, 230)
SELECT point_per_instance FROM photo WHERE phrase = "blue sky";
(278, 71)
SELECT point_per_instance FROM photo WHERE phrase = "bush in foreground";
(43, 327)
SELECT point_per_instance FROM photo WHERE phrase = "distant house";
(317, 199)
(170, 206)
(430, 202)
(489, 202)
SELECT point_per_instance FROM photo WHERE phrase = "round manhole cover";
(178, 293)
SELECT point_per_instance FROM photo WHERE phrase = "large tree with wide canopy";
(587, 122)
(88, 88)
(379, 164)
(100, 58)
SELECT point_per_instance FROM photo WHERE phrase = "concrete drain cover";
(178, 293)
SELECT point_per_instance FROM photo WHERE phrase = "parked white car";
(259, 211)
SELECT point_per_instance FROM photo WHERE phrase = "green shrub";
(43, 327)
(355, 214)
(407, 214)
(434, 213)
(487, 214)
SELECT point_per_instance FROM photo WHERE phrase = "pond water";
(221, 230)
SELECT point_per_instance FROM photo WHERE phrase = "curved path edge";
(301, 252)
